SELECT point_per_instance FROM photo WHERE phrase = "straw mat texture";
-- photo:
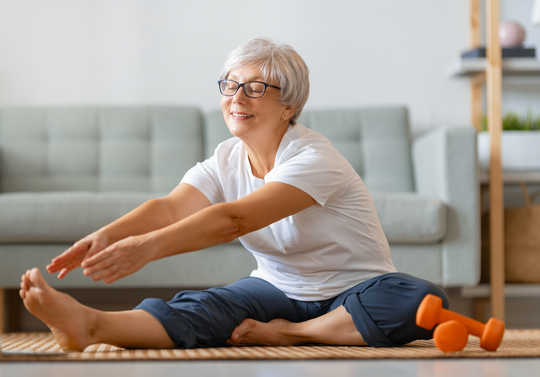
(516, 343)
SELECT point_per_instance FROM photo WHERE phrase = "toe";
(36, 278)
(25, 281)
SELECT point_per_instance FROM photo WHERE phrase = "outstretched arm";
(182, 202)
(210, 226)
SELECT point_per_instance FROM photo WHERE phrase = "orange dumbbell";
(452, 333)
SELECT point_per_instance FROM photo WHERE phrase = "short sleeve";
(317, 169)
(205, 177)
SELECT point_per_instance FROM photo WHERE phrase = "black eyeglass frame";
(241, 85)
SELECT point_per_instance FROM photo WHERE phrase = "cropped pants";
(383, 310)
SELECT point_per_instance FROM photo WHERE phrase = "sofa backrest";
(145, 149)
(375, 140)
(149, 149)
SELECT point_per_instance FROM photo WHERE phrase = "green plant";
(512, 121)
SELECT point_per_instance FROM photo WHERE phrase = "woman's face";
(254, 117)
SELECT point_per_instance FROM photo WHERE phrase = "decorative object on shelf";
(512, 52)
(520, 143)
(513, 122)
(511, 34)
(535, 18)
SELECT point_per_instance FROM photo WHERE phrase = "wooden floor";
(341, 368)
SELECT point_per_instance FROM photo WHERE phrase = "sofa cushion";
(408, 218)
(61, 216)
(69, 216)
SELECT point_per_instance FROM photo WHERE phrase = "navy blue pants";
(383, 310)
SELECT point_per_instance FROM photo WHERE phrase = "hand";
(120, 259)
(73, 257)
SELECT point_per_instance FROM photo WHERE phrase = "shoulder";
(301, 142)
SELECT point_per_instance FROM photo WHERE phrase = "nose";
(240, 95)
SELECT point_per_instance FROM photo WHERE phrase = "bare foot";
(278, 332)
(69, 320)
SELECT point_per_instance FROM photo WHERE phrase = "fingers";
(72, 257)
(107, 274)
(107, 263)
(64, 272)
(98, 261)
(68, 259)
(116, 261)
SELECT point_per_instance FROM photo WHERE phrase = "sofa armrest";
(445, 166)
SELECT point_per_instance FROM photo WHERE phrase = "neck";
(262, 153)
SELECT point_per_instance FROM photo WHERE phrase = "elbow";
(234, 230)
(233, 223)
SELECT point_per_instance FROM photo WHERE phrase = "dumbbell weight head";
(493, 334)
(429, 311)
(450, 336)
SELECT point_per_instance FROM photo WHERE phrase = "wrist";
(162, 246)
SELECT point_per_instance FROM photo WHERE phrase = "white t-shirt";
(321, 251)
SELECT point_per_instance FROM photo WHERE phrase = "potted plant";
(520, 142)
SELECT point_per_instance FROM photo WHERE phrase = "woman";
(324, 274)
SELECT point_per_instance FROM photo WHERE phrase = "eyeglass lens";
(251, 89)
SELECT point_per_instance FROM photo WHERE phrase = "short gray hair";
(277, 62)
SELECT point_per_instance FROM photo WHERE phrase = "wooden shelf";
(514, 177)
(510, 67)
(510, 290)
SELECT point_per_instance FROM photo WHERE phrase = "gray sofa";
(67, 171)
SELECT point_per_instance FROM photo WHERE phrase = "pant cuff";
(178, 328)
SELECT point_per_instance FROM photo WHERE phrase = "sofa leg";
(2, 310)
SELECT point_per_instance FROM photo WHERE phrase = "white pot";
(520, 150)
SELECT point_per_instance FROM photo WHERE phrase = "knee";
(425, 287)
(406, 327)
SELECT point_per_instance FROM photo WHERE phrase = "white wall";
(360, 52)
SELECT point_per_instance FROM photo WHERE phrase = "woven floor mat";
(516, 343)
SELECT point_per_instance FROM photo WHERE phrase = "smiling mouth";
(236, 115)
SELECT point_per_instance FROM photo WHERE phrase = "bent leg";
(380, 312)
(76, 326)
(384, 308)
(207, 318)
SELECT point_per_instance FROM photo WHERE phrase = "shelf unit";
(510, 67)
(489, 71)
(514, 177)
(510, 290)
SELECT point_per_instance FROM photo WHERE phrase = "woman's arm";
(208, 227)
(154, 214)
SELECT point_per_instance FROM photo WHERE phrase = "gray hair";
(278, 63)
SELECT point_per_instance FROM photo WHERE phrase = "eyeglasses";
(253, 89)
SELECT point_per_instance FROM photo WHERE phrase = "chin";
(236, 130)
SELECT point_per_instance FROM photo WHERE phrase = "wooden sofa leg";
(2, 310)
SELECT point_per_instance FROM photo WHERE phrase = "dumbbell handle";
(474, 327)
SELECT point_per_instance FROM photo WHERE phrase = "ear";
(288, 112)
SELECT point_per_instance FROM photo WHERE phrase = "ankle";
(93, 326)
